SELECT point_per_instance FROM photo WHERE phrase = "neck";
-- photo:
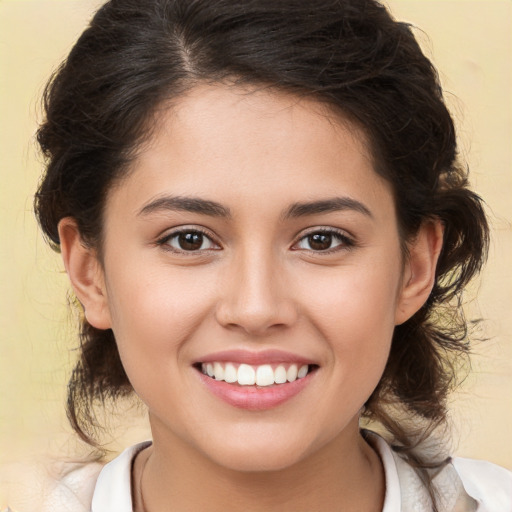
(344, 475)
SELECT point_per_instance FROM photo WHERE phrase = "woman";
(261, 212)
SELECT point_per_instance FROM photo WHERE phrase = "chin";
(257, 463)
(253, 456)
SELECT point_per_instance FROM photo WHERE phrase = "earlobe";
(85, 273)
(419, 270)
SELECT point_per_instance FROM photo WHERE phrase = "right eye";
(188, 240)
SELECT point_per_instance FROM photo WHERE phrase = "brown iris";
(190, 241)
(320, 241)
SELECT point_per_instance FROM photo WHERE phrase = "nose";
(255, 297)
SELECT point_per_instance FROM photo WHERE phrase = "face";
(252, 240)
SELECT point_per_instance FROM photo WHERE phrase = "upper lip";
(255, 357)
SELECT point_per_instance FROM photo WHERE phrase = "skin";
(257, 285)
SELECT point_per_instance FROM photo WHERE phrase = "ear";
(85, 273)
(419, 270)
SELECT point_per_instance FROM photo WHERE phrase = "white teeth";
(218, 371)
(280, 375)
(303, 371)
(265, 375)
(247, 375)
(230, 373)
(291, 374)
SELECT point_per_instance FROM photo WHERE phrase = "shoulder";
(72, 488)
(85, 486)
(463, 485)
(489, 484)
(94, 487)
(50, 485)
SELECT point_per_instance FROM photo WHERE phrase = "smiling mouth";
(255, 375)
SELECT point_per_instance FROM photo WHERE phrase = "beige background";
(470, 42)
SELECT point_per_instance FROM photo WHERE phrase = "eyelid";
(348, 240)
(163, 239)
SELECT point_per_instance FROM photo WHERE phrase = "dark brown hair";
(350, 54)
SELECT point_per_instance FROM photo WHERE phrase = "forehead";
(266, 116)
(261, 144)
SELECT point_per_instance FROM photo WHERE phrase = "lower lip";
(255, 398)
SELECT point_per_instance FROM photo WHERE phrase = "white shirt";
(465, 485)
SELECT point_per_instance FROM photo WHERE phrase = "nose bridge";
(255, 297)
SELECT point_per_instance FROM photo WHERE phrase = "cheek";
(354, 310)
(155, 311)
(356, 298)
(154, 315)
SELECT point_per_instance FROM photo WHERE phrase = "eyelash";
(346, 242)
(164, 241)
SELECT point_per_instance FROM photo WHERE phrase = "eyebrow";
(186, 204)
(334, 204)
(214, 209)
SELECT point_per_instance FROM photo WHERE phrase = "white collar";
(392, 500)
(113, 487)
(113, 492)
(404, 488)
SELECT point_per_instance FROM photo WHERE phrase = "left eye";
(190, 241)
(322, 241)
